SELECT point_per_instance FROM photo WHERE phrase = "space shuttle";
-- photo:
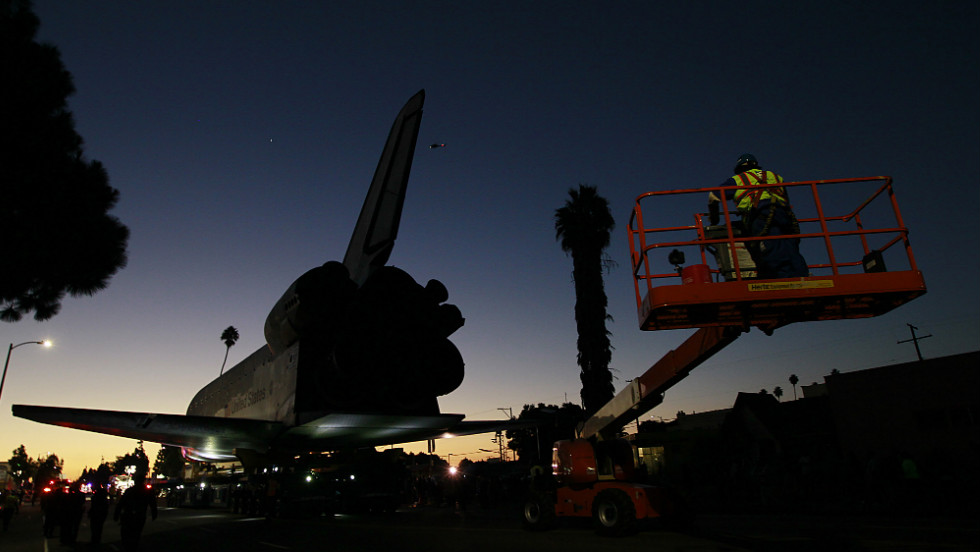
(357, 353)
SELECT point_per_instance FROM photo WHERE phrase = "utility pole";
(498, 439)
(915, 339)
(500, 434)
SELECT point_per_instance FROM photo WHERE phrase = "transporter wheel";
(539, 512)
(613, 513)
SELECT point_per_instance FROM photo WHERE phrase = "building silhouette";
(898, 438)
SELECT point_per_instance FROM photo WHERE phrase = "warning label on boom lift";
(803, 284)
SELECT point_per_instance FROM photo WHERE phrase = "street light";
(46, 343)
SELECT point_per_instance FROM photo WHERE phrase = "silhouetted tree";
(230, 337)
(169, 462)
(21, 465)
(793, 380)
(534, 444)
(777, 392)
(583, 227)
(58, 237)
(48, 469)
(137, 459)
(101, 475)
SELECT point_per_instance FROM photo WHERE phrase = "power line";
(915, 339)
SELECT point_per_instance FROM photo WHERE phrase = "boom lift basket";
(846, 253)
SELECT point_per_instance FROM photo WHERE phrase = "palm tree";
(793, 380)
(583, 226)
(777, 392)
(230, 337)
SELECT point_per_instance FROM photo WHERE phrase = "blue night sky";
(242, 136)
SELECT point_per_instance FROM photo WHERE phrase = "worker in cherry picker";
(764, 212)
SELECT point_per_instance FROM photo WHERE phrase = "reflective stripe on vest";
(746, 198)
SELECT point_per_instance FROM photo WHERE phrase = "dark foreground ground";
(447, 529)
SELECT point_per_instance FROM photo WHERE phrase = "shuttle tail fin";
(377, 226)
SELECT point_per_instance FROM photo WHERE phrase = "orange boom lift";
(861, 265)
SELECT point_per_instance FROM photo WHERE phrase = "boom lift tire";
(539, 512)
(613, 513)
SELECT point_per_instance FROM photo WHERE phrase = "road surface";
(446, 529)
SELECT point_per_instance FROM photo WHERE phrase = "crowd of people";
(64, 505)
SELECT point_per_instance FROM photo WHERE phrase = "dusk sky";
(242, 136)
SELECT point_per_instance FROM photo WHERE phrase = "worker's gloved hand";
(714, 212)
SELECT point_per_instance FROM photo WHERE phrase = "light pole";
(46, 343)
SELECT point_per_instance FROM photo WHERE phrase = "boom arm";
(646, 391)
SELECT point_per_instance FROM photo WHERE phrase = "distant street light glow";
(45, 343)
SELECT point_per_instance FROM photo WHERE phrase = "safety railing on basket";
(845, 226)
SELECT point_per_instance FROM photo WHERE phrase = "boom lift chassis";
(594, 475)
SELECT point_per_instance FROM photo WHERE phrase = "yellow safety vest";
(746, 198)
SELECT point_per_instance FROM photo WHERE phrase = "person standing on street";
(131, 512)
(98, 512)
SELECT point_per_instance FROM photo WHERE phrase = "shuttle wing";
(343, 430)
(215, 439)
(338, 430)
